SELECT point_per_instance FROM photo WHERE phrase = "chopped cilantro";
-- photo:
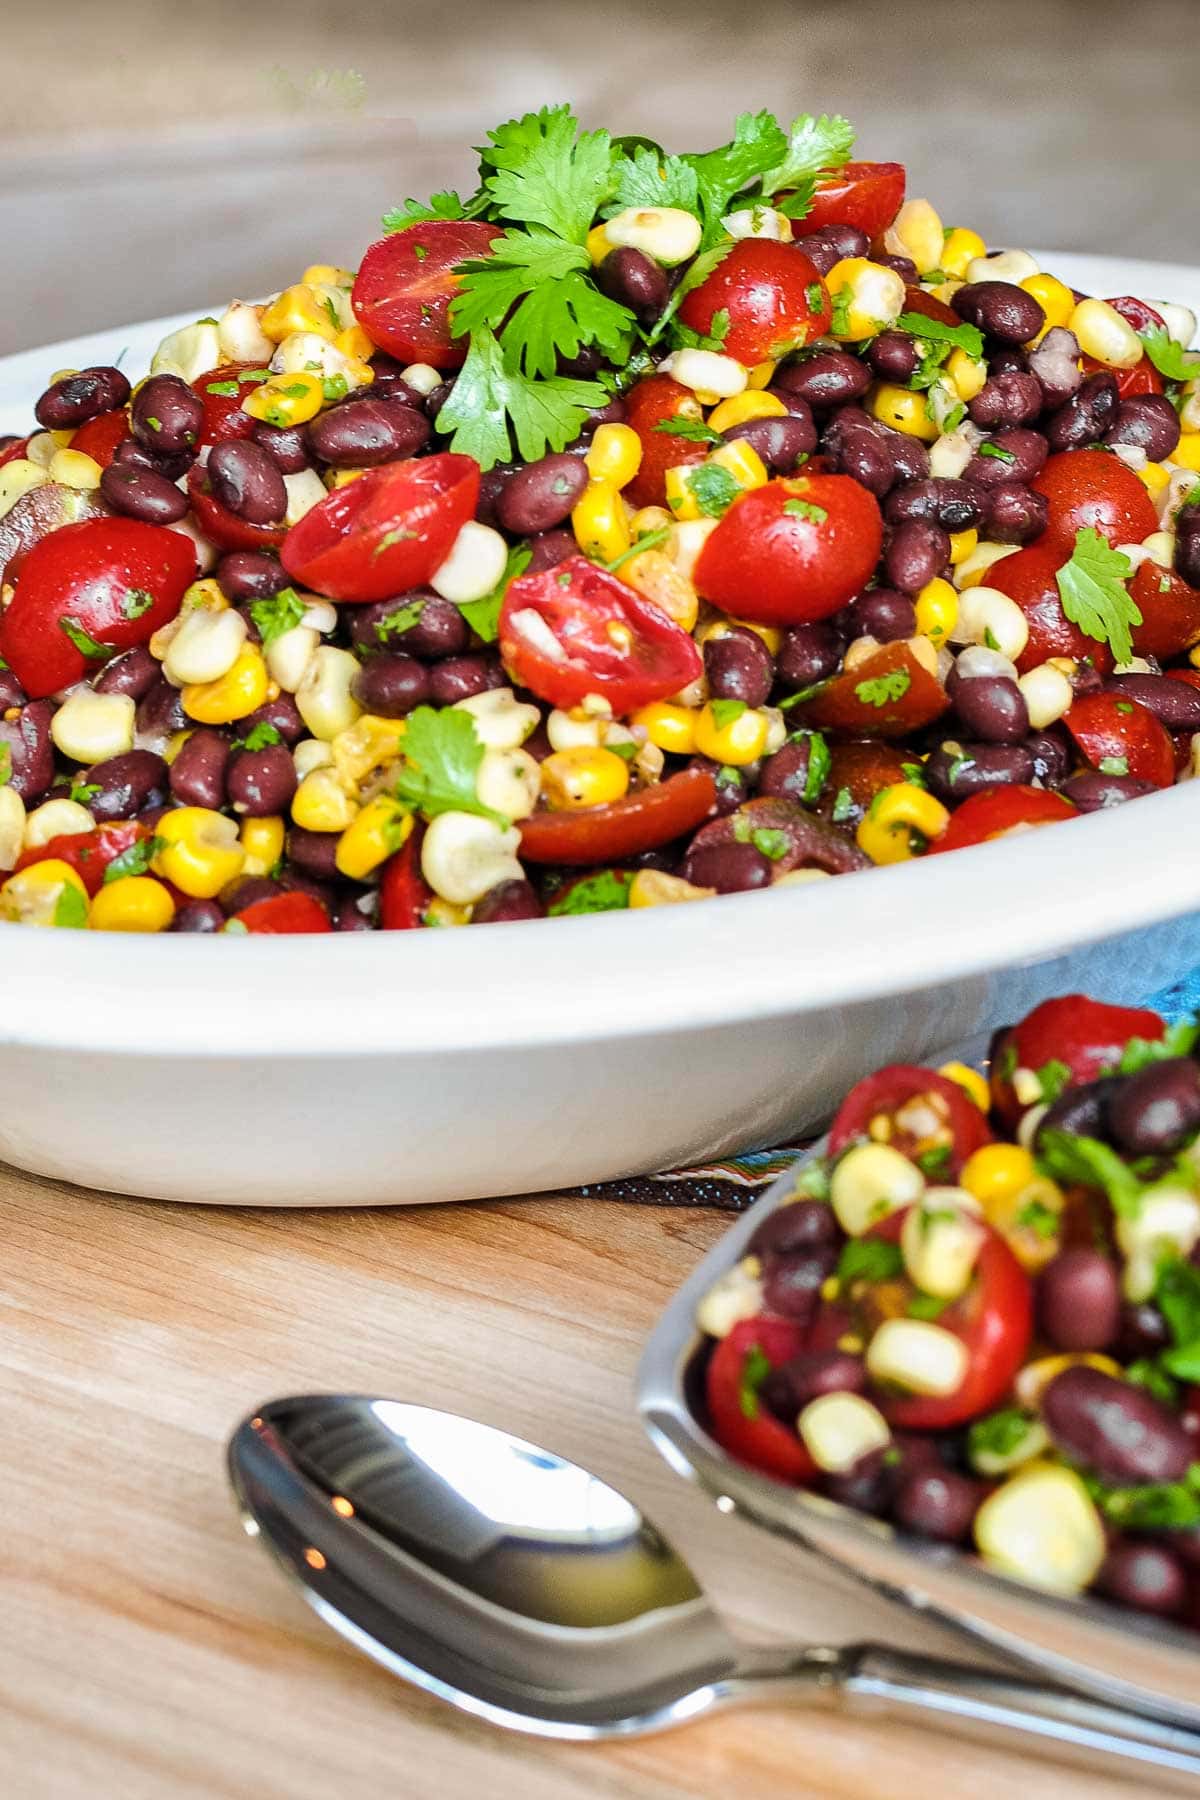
(693, 431)
(1006, 1063)
(956, 768)
(755, 1370)
(990, 638)
(134, 861)
(926, 1306)
(6, 766)
(334, 388)
(483, 615)
(442, 754)
(1113, 765)
(712, 488)
(998, 451)
(259, 737)
(727, 776)
(884, 688)
(1146, 1373)
(135, 602)
(999, 1434)
(277, 614)
(1159, 1506)
(1037, 1217)
(1090, 1163)
(839, 322)
(1054, 1077)
(649, 540)
(1178, 1039)
(227, 389)
(403, 619)
(726, 712)
(84, 642)
(802, 694)
(1125, 706)
(843, 806)
(962, 336)
(605, 891)
(1093, 593)
(82, 792)
(1169, 356)
(954, 417)
(814, 296)
(1177, 1296)
(934, 1163)
(869, 1259)
(804, 509)
(819, 764)
(771, 843)
(71, 907)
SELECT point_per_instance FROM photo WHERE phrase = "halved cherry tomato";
(99, 437)
(90, 853)
(576, 630)
(386, 532)
(1086, 1036)
(1143, 378)
(1093, 488)
(1028, 577)
(405, 284)
(1138, 313)
(865, 194)
(994, 812)
(10, 452)
(887, 695)
(222, 392)
(644, 820)
(114, 581)
(856, 774)
(792, 551)
(282, 915)
(1116, 730)
(1170, 609)
(737, 1417)
(404, 893)
(771, 295)
(651, 403)
(928, 1116)
(225, 528)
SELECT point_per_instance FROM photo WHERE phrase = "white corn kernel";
(1034, 1441)
(289, 655)
(42, 448)
(971, 570)
(335, 301)
(205, 647)
(988, 617)
(1048, 695)
(189, 352)
(838, 1430)
(75, 469)
(706, 372)
(475, 565)
(308, 353)
(17, 478)
(1180, 321)
(502, 722)
(323, 698)
(666, 233)
(12, 825)
(916, 232)
(950, 454)
(422, 378)
(940, 1243)
(1100, 331)
(758, 222)
(1014, 266)
(1160, 548)
(310, 754)
(509, 781)
(305, 489)
(688, 538)
(1189, 413)
(1167, 1222)
(55, 818)
(90, 727)
(976, 660)
(464, 855)
(733, 1296)
(319, 615)
(777, 729)
(566, 732)
(241, 336)
(1042, 1527)
(869, 1182)
(917, 1356)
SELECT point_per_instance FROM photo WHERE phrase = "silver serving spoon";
(526, 1591)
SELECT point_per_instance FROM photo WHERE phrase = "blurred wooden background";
(157, 156)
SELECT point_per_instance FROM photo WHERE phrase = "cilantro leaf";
(814, 145)
(648, 178)
(869, 1259)
(134, 861)
(544, 171)
(804, 509)
(843, 806)
(277, 614)
(259, 737)
(998, 1434)
(492, 402)
(442, 754)
(85, 643)
(1158, 1506)
(998, 451)
(1093, 593)
(555, 307)
(962, 337)
(71, 907)
(1177, 1296)
(934, 1163)
(770, 842)
(724, 712)
(697, 272)
(6, 766)
(605, 891)
(1178, 1039)
(820, 762)
(649, 540)
(693, 431)
(483, 615)
(1054, 1077)
(446, 205)
(926, 1306)
(758, 145)
(884, 688)
(713, 489)
(1169, 356)
(403, 619)
(755, 1370)
(1090, 1163)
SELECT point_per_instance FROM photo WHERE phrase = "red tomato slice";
(860, 770)
(89, 853)
(647, 405)
(1028, 577)
(1170, 609)
(1093, 488)
(404, 894)
(772, 296)
(99, 437)
(865, 194)
(737, 1419)
(1143, 378)
(112, 580)
(609, 834)
(10, 453)
(404, 287)
(386, 532)
(283, 915)
(929, 306)
(792, 551)
(1138, 313)
(960, 1130)
(994, 812)
(575, 630)
(1115, 729)
(39, 512)
(225, 528)
(222, 391)
(1085, 1035)
(887, 695)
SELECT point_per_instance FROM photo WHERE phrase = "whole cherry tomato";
(99, 437)
(648, 406)
(865, 194)
(225, 528)
(88, 589)
(91, 853)
(737, 1418)
(792, 551)
(405, 285)
(644, 820)
(282, 915)
(1119, 736)
(404, 893)
(607, 639)
(1170, 609)
(889, 694)
(222, 392)
(930, 1119)
(1084, 1036)
(1093, 488)
(386, 532)
(994, 812)
(771, 296)
(1028, 577)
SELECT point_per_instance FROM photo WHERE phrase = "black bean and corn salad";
(641, 528)
(978, 1313)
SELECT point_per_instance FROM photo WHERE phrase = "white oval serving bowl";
(442, 1065)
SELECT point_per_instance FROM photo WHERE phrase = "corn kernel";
(1103, 333)
(903, 411)
(321, 803)
(962, 545)
(996, 1172)
(653, 887)
(672, 728)
(615, 454)
(667, 233)
(598, 244)
(723, 624)
(1053, 296)
(741, 460)
(12, 825)
(869, 1182)
(886, 832)
(973, 568)
(599, 523)
(286, 400)
(971, 1081)
(189, 352)
(262, 841)
(736, 740)
(752, 404)
(936, 610)
(655, 575)
(960, 249)
(987, 616)
(376, 833)
(46, 893)
(968, 373)
(917, 1356)
(135, 903)
(327, 275)
(353, 341)
(917, 232)
(706, 372)
(241, 336)
(75, 469)
(325, 698)
(648, 519)
(297, 308)
(198, 851)
(1042, 1527)
(586, 776)
(204, 646)
(838, 1430)
(17, 478)
(1003, 265)
(90, 727)
(55, 818)
(238, 692)
(1153, 477)
(1185, 455)
(463, 855)
(366, 745)
(761, 375)
(866, 297)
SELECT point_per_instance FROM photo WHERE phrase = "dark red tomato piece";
(859, 771)
(865, 194)
(771, 295)
(996, 811)
(38, 513)
(647, 406)
(404, 894)
(644, 820)
(1138, 313)
(222, 392)
(10, 452)
(737, 1418)
(107, 583)
(1093, 488)
(929, 1118)
(1191, 676)
(225, 528)
(1028, 577)
(1170, 609)
(607, 640)
(1119, 736)
(792, 551)
(929, 306)
(1086, 1036)
(386, 532)
(99, 437)
(1143, 378)
(90, 853)
(282, 915)
(887, 695)
(402, 294)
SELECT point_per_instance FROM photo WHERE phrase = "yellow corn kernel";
(598, 244)
(885, 833)
(1042, 1527)
(752, 404)
(1154, 478)
(973, 568)
(671, 727)
(46, 893)
(731, 736)
(761, 375)
(17, 478)
(997, 1173)
(654, 574)
(962, 1074)
(1103, 333)
(1186, 454)
(961, 247)
(917, 232)
(233, 695)
(962, 545)
(1033, 1380)
(586, 775)
(651, 887)
(968, 373)
(286, 400)
(937, 610)
(680, 498)
(866, 297)
(376, 833)
(447, 912)
(198, 850)
(599, 523)
(340, 478)
(297, 309)
(367, 744)
(722, 624)
(742, 461)
(1053, 296)
(135, 903)
(262, 841)
(321, 803)
(75, 469)
(615, 455)
(648, 519)
(327, 275)
(204, 595)
(353, 341)
(903, 411)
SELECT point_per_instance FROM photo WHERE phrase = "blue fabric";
(1175, 1002)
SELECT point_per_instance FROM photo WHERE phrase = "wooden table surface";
(150, 1651)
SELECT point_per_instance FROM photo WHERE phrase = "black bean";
(867, 458)
(1117, 1430)
(937, 1503)
(792, 1281)
(954, 505)
(261, 783)
(437, 397)
(1086, 416)
(76, 398)
(586, 362)
(349, 916)
(391, 684)
(541, 495)
(613, 412)
(12, 694)
(1010, 398)
(1187, 544)
(1051, 756)
(198, 915)
(904, 266)
(1079, 1300)
(248, 890)
(1055, 362)
(1092, 792)
(1157, 1110)
(129, 454)
(313, 852)
(197, 776)
(957, 772)
(549, 548)
(248, 481)
(992, 707)
(635, 280)
(910, 458)
(739, 667)
(786, 774)
(1082, 1111)
(166, 416)
(1015, 513)
(286, 445)
(1011, 455)
(459, 677)
(133, 673)
(809, 653)
(787, 1390)
(160, 710)
(509, 901)
(830, 378)
(781, 442)
(868, 1486)
(917, 550)
(894, 356)
(1143, 1331)
(244, 575)
(1175, 704)
(1145, 1576)
(797, 1225)
(389, 380)
(30, 750)
(139, 494)
(734, 788)
(831, 244)
(1149, 422)
(729, 868)
(282, 713)
(491, 486)
(1000, 309)
(880, 613)
(127, 783)
(359, 434)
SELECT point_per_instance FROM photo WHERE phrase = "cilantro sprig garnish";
(815, 146)
(1169, 356)
(1094, 596)
(936, 331)
(442, 754)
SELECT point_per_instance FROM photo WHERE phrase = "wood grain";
(152, 1652)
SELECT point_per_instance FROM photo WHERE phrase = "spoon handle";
(1009, 1710)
